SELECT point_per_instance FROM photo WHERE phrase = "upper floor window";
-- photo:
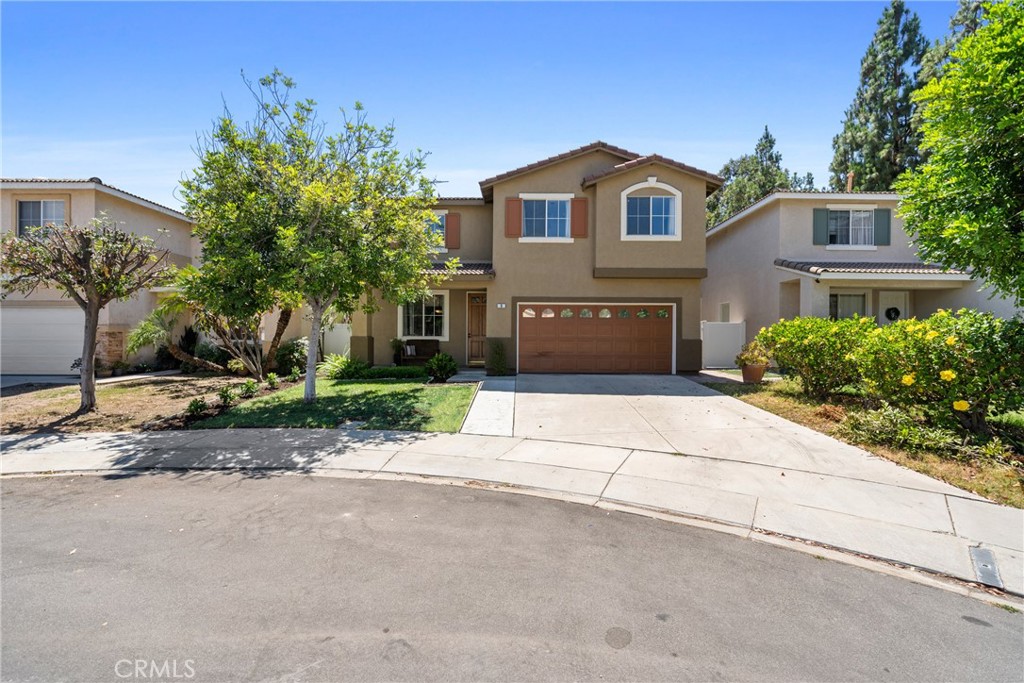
(39, 214)
(650, 215)
(439, 226)
(854, 227)
(546, 218)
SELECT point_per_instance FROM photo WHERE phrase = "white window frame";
(41, 201)
(849, 208)
(566, 197)
(443, 215)
(677, 222)
(866, 293)
(445, 319)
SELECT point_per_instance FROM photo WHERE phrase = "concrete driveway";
(7, 381)
(671, 414)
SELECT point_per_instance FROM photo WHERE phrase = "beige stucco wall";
(475, 234)
(561, 271)
(741, 269)
(741, 272)
(971, 295)
(82, 205)
(614, 252)
(796, 220)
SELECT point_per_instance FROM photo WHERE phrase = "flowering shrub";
(821, 352)
(956, 366)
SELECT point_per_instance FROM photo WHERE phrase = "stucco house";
(827, 254)
(588, 261)
(42, 333)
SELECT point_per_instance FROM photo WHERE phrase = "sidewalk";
(914, 521)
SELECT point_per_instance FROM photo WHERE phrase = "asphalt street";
(228, 577)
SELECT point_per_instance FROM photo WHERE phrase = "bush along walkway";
(875, 508)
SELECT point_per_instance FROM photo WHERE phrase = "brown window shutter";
(452, 231)
(513, 217)
(579, 217)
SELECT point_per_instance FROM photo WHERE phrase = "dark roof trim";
(572, 153)
(713, 181)
(866, 268)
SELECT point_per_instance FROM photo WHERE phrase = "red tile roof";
(477, 269)
(713, 181)
(866, 267)
(599, 144)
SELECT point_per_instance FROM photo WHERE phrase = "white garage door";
(40, 340)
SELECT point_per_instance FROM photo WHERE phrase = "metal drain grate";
(985, 567)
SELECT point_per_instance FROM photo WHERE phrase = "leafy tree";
(343, 215)
(965, 206)
(243, 223)
(878, 140)
(751, 177)
(92, 265)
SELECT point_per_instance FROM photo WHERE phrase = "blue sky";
(120, 90)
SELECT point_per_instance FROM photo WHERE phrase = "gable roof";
(776, 195)
(572, 153)
(713, 181)
(93, 183)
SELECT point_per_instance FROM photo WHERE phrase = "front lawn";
(998, 481)
(382, 404)
(123, 406)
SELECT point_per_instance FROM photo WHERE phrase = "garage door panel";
(40, 340)
(576, 338)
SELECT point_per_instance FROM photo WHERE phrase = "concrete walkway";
(909, 518)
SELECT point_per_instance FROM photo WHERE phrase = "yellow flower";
(850, 356)
(962, 406)
(931, 335)
(762, 331)
(950, 340)
(908, 379)
(947, 375)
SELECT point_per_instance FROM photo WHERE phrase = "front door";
(893, 306)
(477, 306)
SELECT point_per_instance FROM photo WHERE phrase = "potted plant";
(396, 347)
(753, 361)
(119, 367)
(102, 369)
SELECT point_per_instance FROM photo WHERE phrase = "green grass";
(410, 405)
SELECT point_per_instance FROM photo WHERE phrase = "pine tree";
(878, 140)
(968, 19)
(751, 177)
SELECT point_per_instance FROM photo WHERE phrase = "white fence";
(721, 342)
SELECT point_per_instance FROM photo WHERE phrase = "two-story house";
(828, 254)
(589, 261)
(43, 333)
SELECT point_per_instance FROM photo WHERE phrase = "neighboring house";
(589, 261)
(42, 333)
(827, 254)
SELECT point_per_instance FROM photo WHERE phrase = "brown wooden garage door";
(595, 338)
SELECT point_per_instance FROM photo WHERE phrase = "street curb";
(881, 565)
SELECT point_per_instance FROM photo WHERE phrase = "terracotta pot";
(753, 374)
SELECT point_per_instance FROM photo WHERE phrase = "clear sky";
(120, 90)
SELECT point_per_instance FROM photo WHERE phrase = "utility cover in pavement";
(985, 567)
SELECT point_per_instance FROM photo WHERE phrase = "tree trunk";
(88, 369)
(283, 319)
(314, 346)
(184, 357)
